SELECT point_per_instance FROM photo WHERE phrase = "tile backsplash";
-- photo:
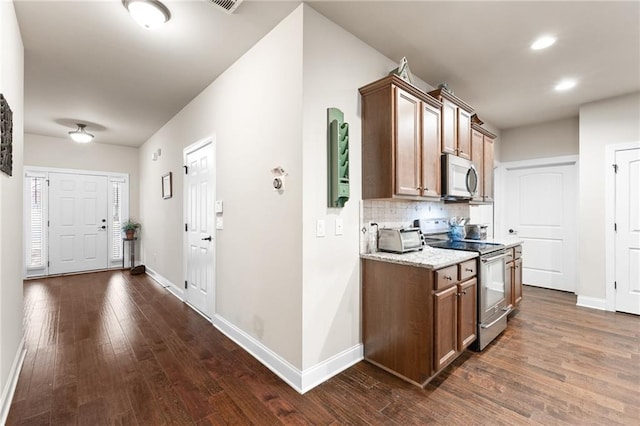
(400, 214)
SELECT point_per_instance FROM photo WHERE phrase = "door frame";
(609, 219)
(185, 240)
(500, 179)
(30, 171)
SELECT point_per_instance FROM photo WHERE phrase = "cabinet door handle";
(446, 277)
(468, 269)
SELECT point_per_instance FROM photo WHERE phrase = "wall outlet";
(320, 228)
(219, 222)
(339, 226)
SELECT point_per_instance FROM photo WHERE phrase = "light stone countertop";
(428, 257)
(507, 240)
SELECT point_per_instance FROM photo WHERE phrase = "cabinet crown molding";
(443, 94)
(404, 85)
(482, 130)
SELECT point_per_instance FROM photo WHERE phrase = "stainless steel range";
(493, 307)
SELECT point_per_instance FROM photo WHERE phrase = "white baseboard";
(592, 302)
(175, 290)
(301, 381)
(12, 381)
(319, 373)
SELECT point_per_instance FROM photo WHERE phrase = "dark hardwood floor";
(111, 348)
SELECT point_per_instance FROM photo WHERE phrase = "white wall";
(11, 86)
(254, 109)
(63, 153)
(602, 123)
(336, 64)
(550, 139)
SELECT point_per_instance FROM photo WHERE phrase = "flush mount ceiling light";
(148, 14)
(565, 85)
(80, 135)
(543, 42)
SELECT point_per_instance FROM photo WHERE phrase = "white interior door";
(541, 210)
(627, 236)
(78, 229)
(199, 219)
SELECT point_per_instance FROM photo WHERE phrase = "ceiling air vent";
(227, 5)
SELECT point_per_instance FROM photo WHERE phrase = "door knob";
(512, 231)
(103, 227)
(207, 238)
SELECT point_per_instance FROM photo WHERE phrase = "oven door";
(492, 286)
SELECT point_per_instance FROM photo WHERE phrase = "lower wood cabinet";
(513, 274)
(415, 320)
(455, 320)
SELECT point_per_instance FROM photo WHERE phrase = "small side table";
(132, 250)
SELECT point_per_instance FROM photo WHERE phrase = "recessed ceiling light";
(543, 42)
(148, 14)
(565, 85)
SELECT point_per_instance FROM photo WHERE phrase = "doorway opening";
(72, 220)
(199, 220)
(622, 235)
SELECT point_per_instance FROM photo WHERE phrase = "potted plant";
(130, 227)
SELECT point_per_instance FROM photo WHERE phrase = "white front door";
(78, 228)
(199, 220)
(541, 210)
(627, 236)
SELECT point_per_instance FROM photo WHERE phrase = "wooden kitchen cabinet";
(455, 321)
(456, 124)
(416, 321)
(397, 319)
(482, 156)
(513, 274)
(400, 141)
(445, 306)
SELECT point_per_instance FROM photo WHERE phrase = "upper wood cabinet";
(482, 156)
(456, 124)
(401, 131)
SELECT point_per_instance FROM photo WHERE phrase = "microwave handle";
(472, 171)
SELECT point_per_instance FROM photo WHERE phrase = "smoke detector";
(227, 5)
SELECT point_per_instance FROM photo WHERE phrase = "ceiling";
(89, 62)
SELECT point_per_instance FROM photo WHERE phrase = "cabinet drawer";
(468, 269)
(517, 250)
(445, 277)
(509, 257)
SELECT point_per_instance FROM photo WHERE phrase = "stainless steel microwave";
(459, 178)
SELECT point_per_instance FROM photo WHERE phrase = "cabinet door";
(467, 314)
(508, 283)
(477, 150)
(464, 134)
(408, 141)
(430, 151)
(517, 282)
(445, 326)
(449, 127)
(488, 169)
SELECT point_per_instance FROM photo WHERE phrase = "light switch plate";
(218, 206)
(219, 222)
(320, 228)
(339, 226)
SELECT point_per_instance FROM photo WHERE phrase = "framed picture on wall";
(166, 186)
(6, 137)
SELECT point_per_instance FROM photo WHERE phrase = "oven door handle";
(507, 310)
(491, 259)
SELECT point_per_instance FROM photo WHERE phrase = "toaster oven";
(399, 240)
